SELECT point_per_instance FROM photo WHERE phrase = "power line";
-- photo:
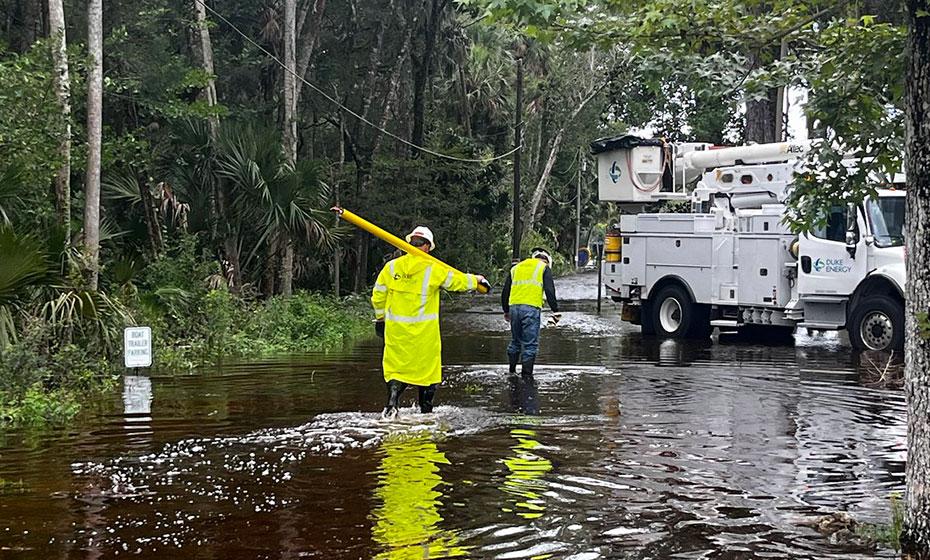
(348, 110)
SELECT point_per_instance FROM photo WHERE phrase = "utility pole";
(517, 144)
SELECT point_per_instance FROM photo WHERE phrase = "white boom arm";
(757, 153)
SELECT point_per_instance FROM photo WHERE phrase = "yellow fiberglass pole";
(358, 221)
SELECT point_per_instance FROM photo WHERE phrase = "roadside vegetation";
(61, 345)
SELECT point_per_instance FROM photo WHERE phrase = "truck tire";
(877, 323)
(646, 323)
(673, 314)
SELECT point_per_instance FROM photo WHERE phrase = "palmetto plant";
(279, 204)
(26, 266)
(31, 286)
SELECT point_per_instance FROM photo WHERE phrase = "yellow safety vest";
(406, 296)
(526, 283)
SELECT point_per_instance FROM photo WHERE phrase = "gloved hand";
(507, 317)
(379, 327)
(482, 281)
(553, 319)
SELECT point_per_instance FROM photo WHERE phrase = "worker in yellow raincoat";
(406, 304)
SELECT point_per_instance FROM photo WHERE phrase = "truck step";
(827, 326)
(724, 323)
(825, 298)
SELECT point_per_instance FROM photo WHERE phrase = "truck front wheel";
(877, 323)
(673, 314)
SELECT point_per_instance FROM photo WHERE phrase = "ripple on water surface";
(621, 446)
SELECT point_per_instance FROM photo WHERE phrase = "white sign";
(137, 347)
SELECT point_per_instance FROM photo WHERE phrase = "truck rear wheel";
(646, 320)
(877, 323)
(673, 314)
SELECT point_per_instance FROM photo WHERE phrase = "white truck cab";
(731, 262)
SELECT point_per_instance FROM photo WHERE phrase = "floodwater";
(622, 448)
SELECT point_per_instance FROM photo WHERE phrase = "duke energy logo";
(614, 172)
(831, 265)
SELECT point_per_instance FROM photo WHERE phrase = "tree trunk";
(289, 121)
(309, 38)
(150, 212)
(287, 266)
(56, 20)
(421, 70)
(289, 130)
(466, 103)
(94, 124)
(271, 268)
(760, 119)
(916, 536)
(529, 221)
(203, 48)
(226, 243)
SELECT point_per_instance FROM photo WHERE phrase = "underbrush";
(44, 381)
(224, 326)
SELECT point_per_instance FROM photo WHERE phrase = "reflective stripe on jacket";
(406, 296)
(526, 282)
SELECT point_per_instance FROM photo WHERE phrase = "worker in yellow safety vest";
(522, 301)
(406, 304)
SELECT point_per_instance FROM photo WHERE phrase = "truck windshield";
(886, 215)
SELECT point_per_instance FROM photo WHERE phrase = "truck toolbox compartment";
(674, 223)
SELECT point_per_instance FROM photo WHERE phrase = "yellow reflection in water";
(407, 523)
(525, 481)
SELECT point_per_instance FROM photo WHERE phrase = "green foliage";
(889, 534)
(301, 323)
(38, 407)
(856, 82)
(25, 266)
(42, 380)
(218, 326)
(32, 124)
(460, 202)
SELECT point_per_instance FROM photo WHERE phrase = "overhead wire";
(347, 109)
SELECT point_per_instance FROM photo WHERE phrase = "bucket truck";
(730, 261)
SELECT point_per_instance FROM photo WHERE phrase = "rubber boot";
(426, 398)
(528, 368)
(395, 389)
(514, 358)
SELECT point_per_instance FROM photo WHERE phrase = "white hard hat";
(540, 253)
(425, 233)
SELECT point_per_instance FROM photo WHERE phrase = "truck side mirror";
(852, 230)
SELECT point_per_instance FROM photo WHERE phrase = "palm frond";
(123, 187)
(10, 183)
(25, 265)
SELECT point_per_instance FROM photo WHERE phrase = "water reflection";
(525, 481)
(137, 398)
(524, 396)
(407, 523)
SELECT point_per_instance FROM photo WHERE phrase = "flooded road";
(640, 449)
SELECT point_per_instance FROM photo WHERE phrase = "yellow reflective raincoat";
(406, 296)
